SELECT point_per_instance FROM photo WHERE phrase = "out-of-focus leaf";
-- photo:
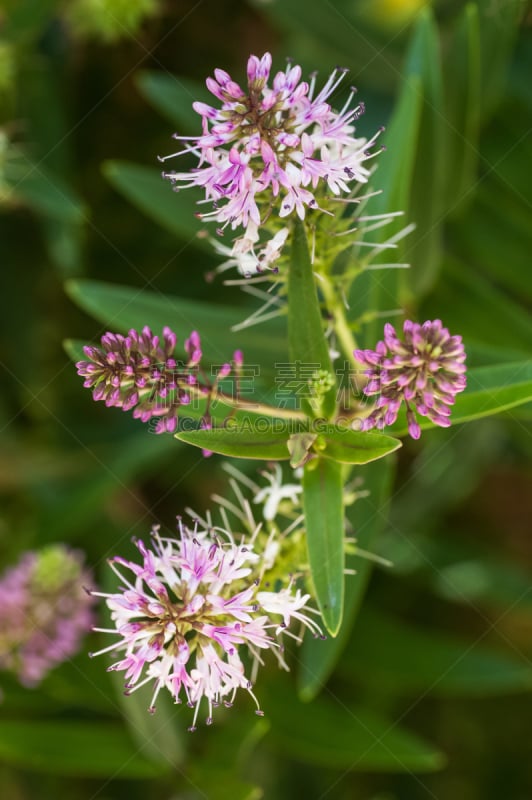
(173, 96)
(367, 516)
(469, 304)
(43, 110)
(146, 189)
(48, 194)
(306, 338)
(333, 734)
(158, 735)
(324, 523)
(337, 29)
(379, 289)
(123, 307)
(461, 120)
(393, 657)
(489, 391)
(24, 19)
(89, 749)
(114, 469)
(423, 249)
(433, 488)
(269, 445)
(461, 573)
(498, 30)
(219, 783)
(498, 243)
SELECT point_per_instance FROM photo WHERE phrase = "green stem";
(263, 408)
(343, 332)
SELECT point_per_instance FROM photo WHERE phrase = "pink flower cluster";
(272, 146)
(141, 372)
(45, 612)
(426, 371)
(186, 613)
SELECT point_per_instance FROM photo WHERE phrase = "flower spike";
(425, 371)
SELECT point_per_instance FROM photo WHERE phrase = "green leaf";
(123, 307)
(88, 749)
(423, 249)
(498, 29)
(391, 656)
(355, 447)
(367, 516)
(490, 390)
(307, 343)
(333, 734)
(173, 96)
(48, 194)
(251, 441)
(324, 523)
(379, 290)
(462, 110)
(469, 304)
(159, 736)
(72, 511)
(150, 193)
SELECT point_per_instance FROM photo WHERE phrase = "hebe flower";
(272, 147)
(45, 612)
(140, 372)
(186, 614)
(426, 371)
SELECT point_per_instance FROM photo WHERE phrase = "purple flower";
(140, 372)
(189, 610)
(272, 145)
(45, 612)
(426, 371)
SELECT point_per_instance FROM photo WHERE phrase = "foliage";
(434, 646)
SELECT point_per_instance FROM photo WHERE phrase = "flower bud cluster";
(426, 371)
(140, 372)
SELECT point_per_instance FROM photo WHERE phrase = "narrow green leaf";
(145, 188)
(160, 736)
(423, 249)
(88, 749)
(469, 304)
(48, 194)
(306, 339)
(391, 656)
(379, 290)
(355, 447)
(173, 96)
(499, 27)
(367, 516)
(251, 441)
(324, 522)
(490, 390)
(462, 110)
(335, 735)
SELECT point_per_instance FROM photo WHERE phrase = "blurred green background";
(430, 697)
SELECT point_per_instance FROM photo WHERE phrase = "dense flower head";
(426, 370)
(271, 146)
(141, 372)
(187, 612)
(45, 612)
